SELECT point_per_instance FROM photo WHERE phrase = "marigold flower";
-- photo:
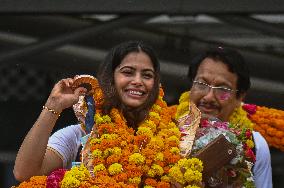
(112, 159)
(98, 119)
(175, 150)
(150, 124)
(156, 108)
(192, 176)
(185, 96)
(151, 173)
(156, 143)
(173, 139)
(123, 143)
(95, 141)
(240, 119)
(182, 109)
(98, 168)
(121, 177)
(34, 182)
(115, 168)
(136, 158)
(151, 182)
(157, 169)
(116, 151)
(195, 164)
(135, 180)
(165, 178)
(97, 153)
(70, 182)
(105, 128)
(148, 186)
(250, 143)
(144, 131)
(75, 176)
(163, 184)
(176, 174)
(159, 157)
(192, 186)
(182, 163)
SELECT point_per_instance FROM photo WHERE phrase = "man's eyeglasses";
(221, 93)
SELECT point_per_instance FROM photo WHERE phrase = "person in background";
(220, 80)
(129, 78)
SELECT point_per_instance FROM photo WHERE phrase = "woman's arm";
(33, 157)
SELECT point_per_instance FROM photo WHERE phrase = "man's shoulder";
(261, 146)
(258, 138)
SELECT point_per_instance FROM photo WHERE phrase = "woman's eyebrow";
(148, 70)
(126, 67)
(132, 68)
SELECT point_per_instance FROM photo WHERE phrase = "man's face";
(214, 102)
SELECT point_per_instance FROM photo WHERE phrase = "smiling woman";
(129, 78)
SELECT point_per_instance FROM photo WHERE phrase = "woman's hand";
(63, 95)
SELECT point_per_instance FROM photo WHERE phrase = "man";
(220, 80)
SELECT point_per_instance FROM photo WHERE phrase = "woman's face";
(134, 79)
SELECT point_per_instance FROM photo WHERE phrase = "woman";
(133, 141)
(129, 78)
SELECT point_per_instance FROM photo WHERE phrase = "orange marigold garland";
(34, 182)
(270, 123)
(125, 155)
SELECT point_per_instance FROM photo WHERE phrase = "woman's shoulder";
(71, 129)
(74, 127)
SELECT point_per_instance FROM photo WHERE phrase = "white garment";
(67, 141)
(262, 168)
